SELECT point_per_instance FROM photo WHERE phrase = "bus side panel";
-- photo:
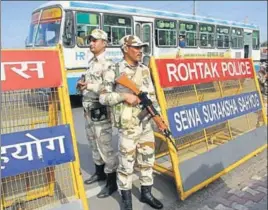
(72, 78)
(72, 85)
(76, 61)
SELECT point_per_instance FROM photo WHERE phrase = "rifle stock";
(126, 82)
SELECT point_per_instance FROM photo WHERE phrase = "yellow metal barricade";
(26, 109)
(168, 160)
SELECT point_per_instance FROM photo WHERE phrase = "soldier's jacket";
(94, 76)
(262, 76)
(125, 116)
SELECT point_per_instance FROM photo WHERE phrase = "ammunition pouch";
(98, 114)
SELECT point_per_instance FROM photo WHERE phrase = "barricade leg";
(170, 149)
(75, 167)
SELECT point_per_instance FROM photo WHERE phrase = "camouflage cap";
(131, 40)
(99, 34)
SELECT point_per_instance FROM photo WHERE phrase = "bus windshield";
(45, 29)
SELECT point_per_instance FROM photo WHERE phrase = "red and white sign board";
(30, 69)
(180, 72)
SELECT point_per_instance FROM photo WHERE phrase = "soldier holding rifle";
(136, 138)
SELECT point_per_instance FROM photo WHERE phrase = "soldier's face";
(97, 46)
(134, 53)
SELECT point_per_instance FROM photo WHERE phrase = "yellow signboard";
(182, 53)
(53, 13)
(213, 54)
(47, 15)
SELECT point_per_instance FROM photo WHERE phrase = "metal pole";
(194, 8)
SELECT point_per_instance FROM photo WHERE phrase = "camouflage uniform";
(262, 78)
(99, 132)
(136, 141)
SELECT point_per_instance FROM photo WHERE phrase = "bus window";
(256, 40)
(85, 23)
(189, 32)
(237, 38)
(47, 31)
(206, 35)
(223, 36)
(116, 27)
(138, 30)
(147, 38)
(33, 29)
(68, 32)
(166, 33)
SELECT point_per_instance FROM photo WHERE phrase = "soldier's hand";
(81, 85)
(131, 99)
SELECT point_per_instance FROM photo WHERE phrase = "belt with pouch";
(97, 114)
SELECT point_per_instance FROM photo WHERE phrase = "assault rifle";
(147, 106)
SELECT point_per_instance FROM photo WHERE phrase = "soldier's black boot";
(110, 187)
(147, 197)
(126, 199)
(98, 176)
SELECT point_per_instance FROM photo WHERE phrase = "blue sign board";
(30, 150)
(193, 117)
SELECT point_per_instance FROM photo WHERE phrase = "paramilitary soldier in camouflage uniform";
(97, 117)
(136, 140)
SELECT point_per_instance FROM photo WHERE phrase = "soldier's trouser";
(99, 135)
(137, 145)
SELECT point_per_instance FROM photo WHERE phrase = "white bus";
(169, 34)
